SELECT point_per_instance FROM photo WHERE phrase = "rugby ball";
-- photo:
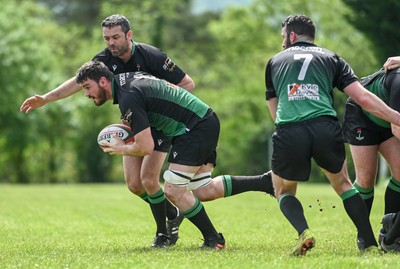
(123, 131)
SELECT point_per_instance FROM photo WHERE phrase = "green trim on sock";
(394, 185)
(158, 197)
(283, 196)
(348, 194)
(144, 197)
(194, 210)
(227, 182)
(366, 193)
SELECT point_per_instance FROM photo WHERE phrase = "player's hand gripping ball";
(121, 130)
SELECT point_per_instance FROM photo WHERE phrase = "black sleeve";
(161, 65)
(345, 75)
(269, 86)
(133, 111)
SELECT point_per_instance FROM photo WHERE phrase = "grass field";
(104, 226)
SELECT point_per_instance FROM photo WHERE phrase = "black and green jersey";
(145, 58)
(146, 101)
(302, 77)
(387, 88)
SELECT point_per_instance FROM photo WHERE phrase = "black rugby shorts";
(198, 146)
(294, 145)
(359, 130)
(161, 142)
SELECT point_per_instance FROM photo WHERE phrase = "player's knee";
(170, 193)
(176, 183)
(208, 192)
(150, 184)
(135, 186)
(204, 197)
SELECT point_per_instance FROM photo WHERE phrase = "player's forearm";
(396, 131)
(272, 106)
(371, 103)
(66, 89)
(187, 83)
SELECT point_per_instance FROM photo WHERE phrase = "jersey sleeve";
(133, 111)
(100, 56)
(345, 74)
(162, 66)
(270, 89)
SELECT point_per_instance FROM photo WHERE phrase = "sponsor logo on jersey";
(303, 91)
(122, 79)
(359, 136)
(127, 117)
(306, 49)
(168, 65)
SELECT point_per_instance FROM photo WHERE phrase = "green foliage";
(244, 40)
(379, 21)
(24, 62)
(38, 146)
(104, 226)
(225, 53)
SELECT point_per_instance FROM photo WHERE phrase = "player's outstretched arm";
(391, 63)
(66, 89)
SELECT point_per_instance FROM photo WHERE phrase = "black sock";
(198, 216)
(172, 211)
(145, 197)
(367, 194)
(293, 211)
(157, 204)
(392, 196)
(237, 184)
(358, 213)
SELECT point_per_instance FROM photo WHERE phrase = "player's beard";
(101, 97)
(288, 43)
(120, 50)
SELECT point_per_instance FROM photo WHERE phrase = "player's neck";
(127, 55)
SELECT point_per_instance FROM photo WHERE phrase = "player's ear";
(102, 81)
(129, 34)
(293, 37)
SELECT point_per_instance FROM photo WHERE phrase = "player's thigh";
(365, 159)
(291, 155)
(152, 164)
(198, 146)
(328, 148)
(132, 166)
(340, 181)
(390, 150)
(282, 186)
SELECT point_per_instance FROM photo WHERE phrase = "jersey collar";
(115, 99)
(133, 47)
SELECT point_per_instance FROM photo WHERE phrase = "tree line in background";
(45, 41)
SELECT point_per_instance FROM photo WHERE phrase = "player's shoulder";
(103, 55)
(146, 47)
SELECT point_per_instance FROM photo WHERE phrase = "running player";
(299, 86)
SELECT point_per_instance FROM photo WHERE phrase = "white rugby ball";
(123, 131)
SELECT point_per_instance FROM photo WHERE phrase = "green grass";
(104, 226)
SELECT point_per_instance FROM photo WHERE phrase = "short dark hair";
(93, 70)
(300, 24)
(117, 20)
